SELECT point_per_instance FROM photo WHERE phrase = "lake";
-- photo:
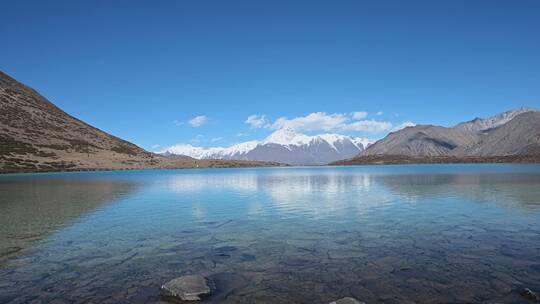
(381, 234)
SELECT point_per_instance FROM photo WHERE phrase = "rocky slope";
(35, 135)
(283, 146)
(421, 140)
(519, 136)
(512, 136)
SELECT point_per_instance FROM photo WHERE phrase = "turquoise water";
(382, 234)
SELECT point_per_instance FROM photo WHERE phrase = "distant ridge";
(36, 136)
(512, 136)
(283, 146)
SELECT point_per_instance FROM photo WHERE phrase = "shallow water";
(382, 234)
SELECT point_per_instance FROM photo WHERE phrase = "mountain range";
(284, 146)
(510, 136)
(35, 135)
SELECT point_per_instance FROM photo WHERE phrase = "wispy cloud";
(336, 122)
(369, 126)
(155, 146)
(359, 115)
(197, 139)
(256, 121)
(178, 123)
(380, 113)
(403, 126)
(198, 121)
(312, 122)
(215, 139)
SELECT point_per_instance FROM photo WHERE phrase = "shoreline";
(375, 160)
(403, 160)
(212, 165)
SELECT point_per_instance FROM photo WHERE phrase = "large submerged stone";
(187, 288)
(347, 300)
(530, 295)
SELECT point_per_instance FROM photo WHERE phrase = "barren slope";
(422, 140)
(519, 136)
(35, 135)
(512, 136)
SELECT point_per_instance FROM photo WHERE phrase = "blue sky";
(142, 70)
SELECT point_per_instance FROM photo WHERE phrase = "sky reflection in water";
(430, 234)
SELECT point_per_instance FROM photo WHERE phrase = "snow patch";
(286, 137)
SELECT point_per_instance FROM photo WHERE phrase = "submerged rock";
(347, 300)
(246, 257)
(530, 295)
(187, 288)
(224, 284)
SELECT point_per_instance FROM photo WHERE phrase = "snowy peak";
(284, 145)
(363, 143)
(287, 136)
(212, 152)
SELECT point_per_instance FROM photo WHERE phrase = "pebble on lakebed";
(530, 295)
(187, 288)
(347, 300)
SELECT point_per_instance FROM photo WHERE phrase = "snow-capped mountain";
(284, 146)
(232, 152)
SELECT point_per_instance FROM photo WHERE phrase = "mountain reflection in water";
(382, 234)
(34, 208)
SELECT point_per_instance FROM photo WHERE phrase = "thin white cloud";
(321, 121)
(256, 121)
(380, 113)
(359, 115)
(369, 126)
(197, 139)
(403, 126)
(178, 123)
(216, 139)
(198, 121)
(155, 146)
(312, 122)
